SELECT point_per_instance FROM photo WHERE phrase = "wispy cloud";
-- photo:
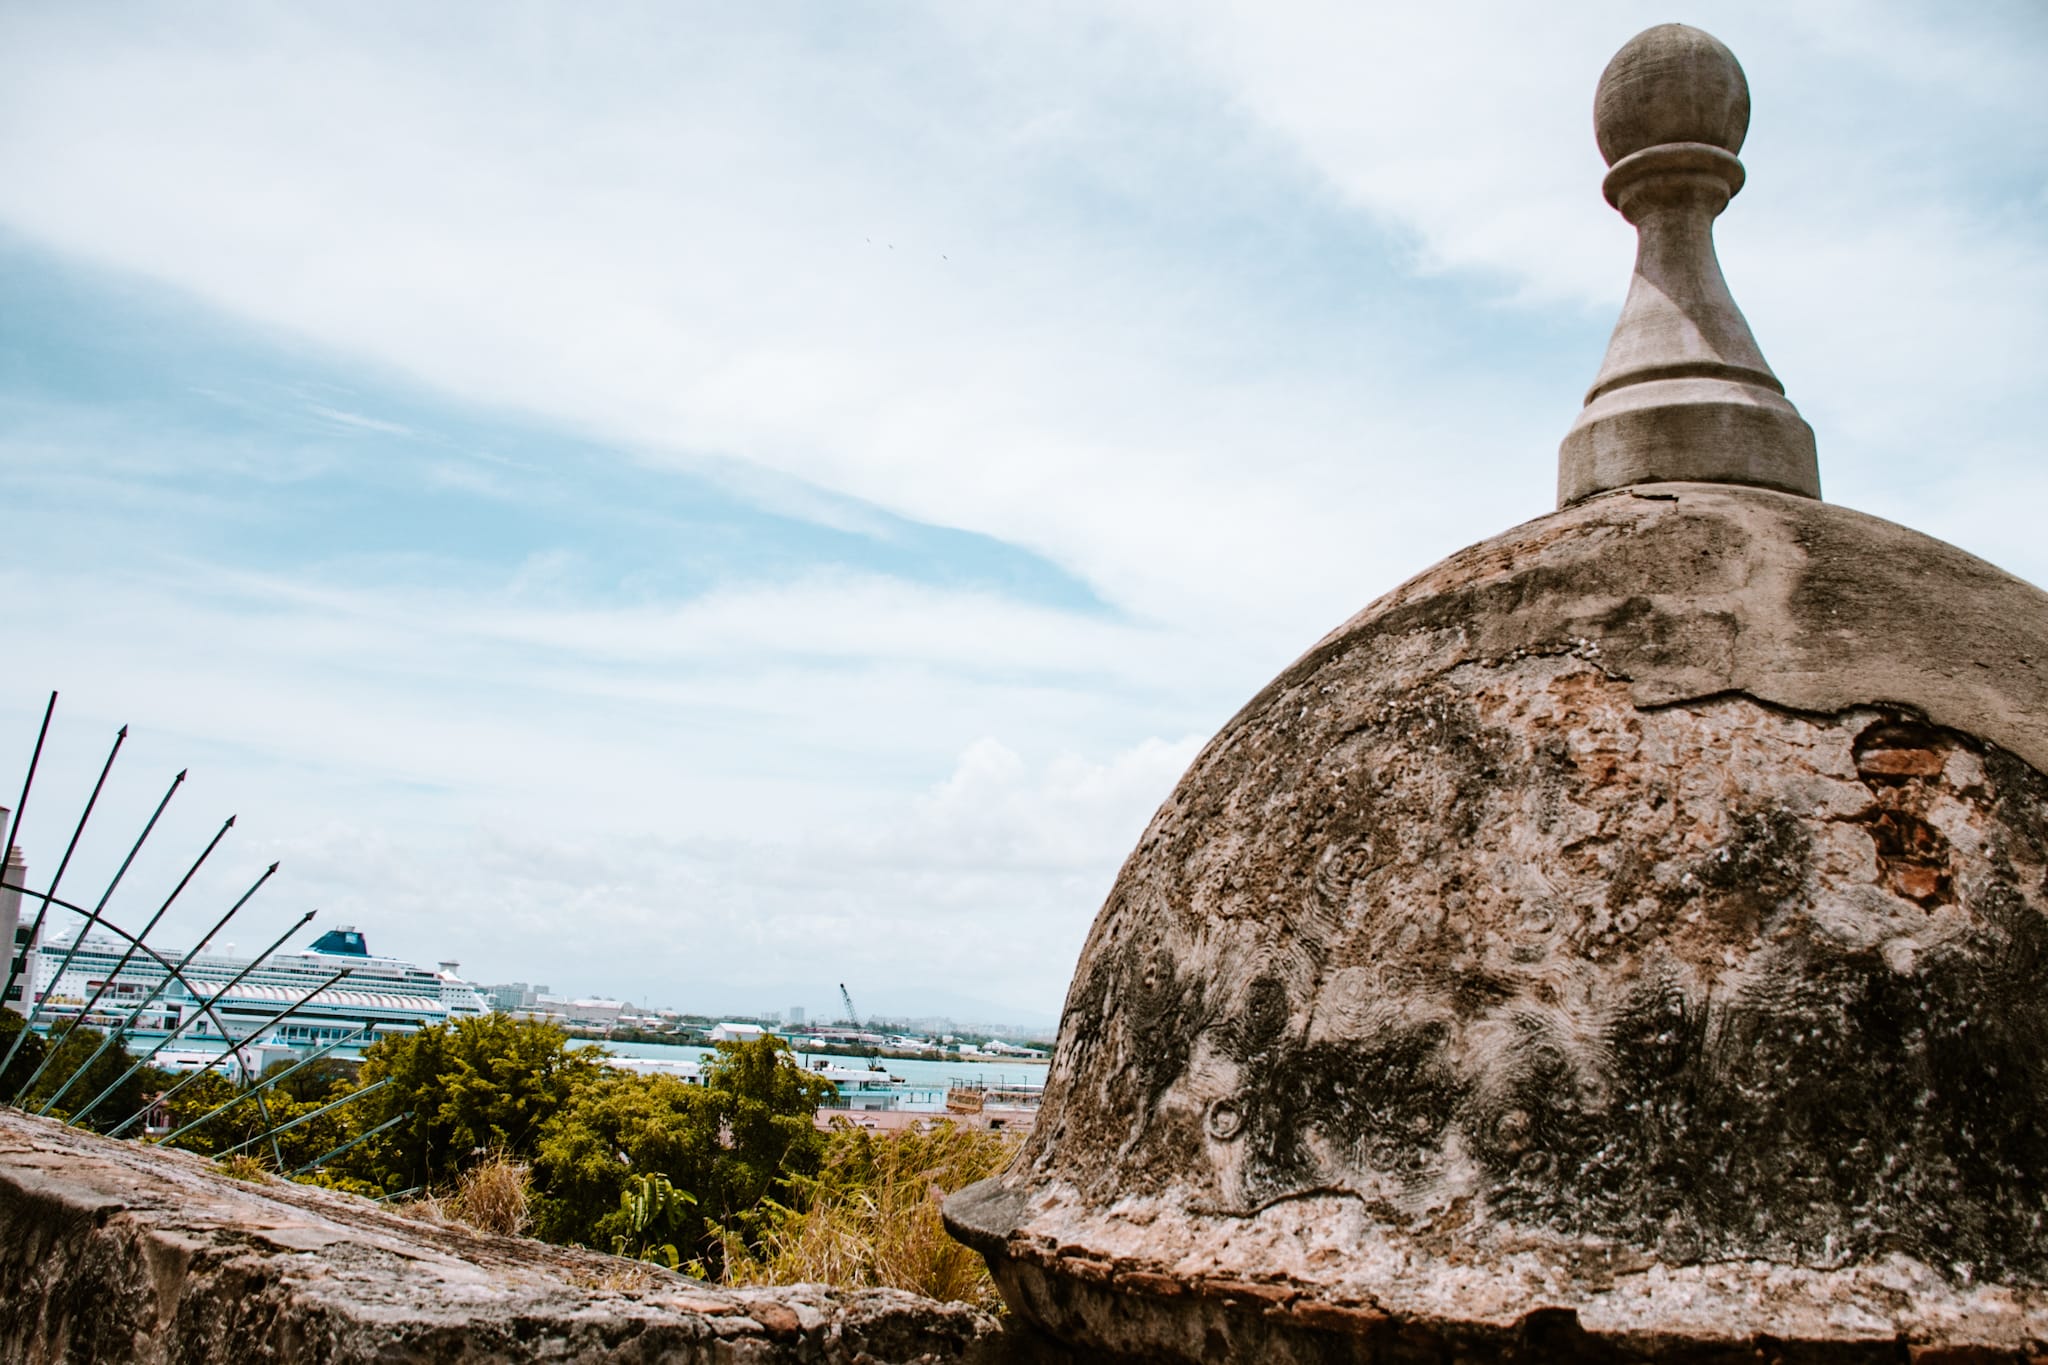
(796, 483)
(359, 422)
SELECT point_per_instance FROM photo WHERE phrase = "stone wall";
(115, 1251)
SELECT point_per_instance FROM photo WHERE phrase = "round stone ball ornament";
(1627, 940)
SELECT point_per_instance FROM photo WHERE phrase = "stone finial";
(1684, 393)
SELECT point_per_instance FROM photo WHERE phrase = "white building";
(20, 959)
(736, 1033)
(689, 1073)
(598, 1012)
(999, 1048)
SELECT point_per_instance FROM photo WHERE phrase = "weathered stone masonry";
(113, 1251)
(1602, 927)
(1628, 940)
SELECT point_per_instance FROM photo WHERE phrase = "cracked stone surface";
(111, 1251)
(1628, 939)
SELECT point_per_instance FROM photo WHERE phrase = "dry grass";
(631, 1277)
(242, 1166)
(425, 1208)
(871, 1217)
(491, 1196)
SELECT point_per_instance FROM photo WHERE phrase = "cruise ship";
(380, 996)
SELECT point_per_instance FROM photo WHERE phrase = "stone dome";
(1626, 940)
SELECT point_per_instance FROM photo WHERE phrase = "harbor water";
(923, 1083)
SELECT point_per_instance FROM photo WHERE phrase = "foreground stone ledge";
(114, 1251)
(1308, 1283)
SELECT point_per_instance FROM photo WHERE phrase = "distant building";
(15, 936)
(515, 996)
(689, 1073)
(795, 1016)
(736, 1033)
(999, 1048)
(20, 940)
(598, 1013)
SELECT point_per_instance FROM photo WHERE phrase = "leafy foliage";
(202, 1097)
(242, 1117)
(473, 1086)
(504, 1125)
(26, 1061)
(72, 1046)
(316, 1081)
(731, 1142)
(652, 1206)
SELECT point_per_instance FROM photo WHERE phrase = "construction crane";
(853, 1017)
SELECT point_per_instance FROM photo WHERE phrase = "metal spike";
(42, 911)
(352, 1143)
(78, 940)
(171, 970)
(12, 824)
(177, 973)
(261, 1085)
(13, 827)
(235, 1051)
(350, 1098)
(127, 956)
(184, 1024)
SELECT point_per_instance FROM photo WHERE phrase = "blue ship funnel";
(344, 941)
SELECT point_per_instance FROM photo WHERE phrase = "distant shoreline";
(831, 1050)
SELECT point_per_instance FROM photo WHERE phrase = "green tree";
(249, 1117)
(203, 1096)
(320, 1081)
(731, 1143)
(487, 1083)
(26, 1061)
(72, 1047)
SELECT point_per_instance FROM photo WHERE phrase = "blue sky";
(702, 504)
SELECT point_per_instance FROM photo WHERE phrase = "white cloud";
(1068, 277)
(700, 263)
(742, 806)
